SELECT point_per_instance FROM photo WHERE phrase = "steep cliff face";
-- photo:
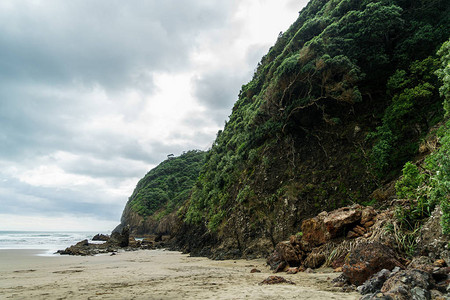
(152, 207)
(334, 110)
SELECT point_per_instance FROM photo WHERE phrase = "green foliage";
(414, 104)
(340, 60)
(168, 185)
(444, 75)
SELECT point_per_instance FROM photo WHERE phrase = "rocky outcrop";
(367, 259)
(311, 249)
(100, 237)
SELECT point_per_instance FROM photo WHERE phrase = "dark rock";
(401, 284)
(367, 259)
(255, 271)
(374, 283)
(376, 296)
(100, 237)
(275, 260)
(418, 293)
(120, 239)
(276, 280)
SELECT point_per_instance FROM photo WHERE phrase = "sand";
(151, 274)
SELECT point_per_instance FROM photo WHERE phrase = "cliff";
(345, 97)
(152, 207)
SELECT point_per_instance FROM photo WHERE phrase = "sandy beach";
(150, 274)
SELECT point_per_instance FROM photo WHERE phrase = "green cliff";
(345, 97)
(157, 197)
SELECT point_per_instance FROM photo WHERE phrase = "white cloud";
(95, 93)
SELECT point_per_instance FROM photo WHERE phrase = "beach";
(151, 274)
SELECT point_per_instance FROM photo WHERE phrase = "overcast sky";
(95, 93)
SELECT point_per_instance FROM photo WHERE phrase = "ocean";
(48, 241)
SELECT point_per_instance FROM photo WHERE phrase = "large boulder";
(314, 231)
(338, 220)
(327, 226)
(120, 239)
(368, 258)
(100, 237)
(408, 284)
(285, 255)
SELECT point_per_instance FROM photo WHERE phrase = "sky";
(95, 93)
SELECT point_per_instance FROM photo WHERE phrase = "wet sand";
(151, 274)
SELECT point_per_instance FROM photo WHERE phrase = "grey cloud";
(21, 198)
(111, 43)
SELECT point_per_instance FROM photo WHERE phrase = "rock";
(359, 230)
(289, 254)
(368, 224)
(120, 239)
(292, 271)
(338, 220)
(284, 255)
(418, 293)
(374, 283)
(351, 234)
(276, 261)
(255, 271)
(100, 237)
(314, 231)
(367, 215)
(440, 263)
(314, 260)
(275, 280)
(368, 258)
(376, 296)
(309, 270)
(338, 270)
(340, 281)
(401, 284)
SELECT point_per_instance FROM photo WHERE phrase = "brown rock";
(292, 271)
(314, 260)
(368, 214)
(337, 270)
(288, 253)
(367, 259)
(275, 261)
(275, 280)
(368, 224)
(359, 230)
(337, 220)
(314, 231)
(440, 263)
(351, 235)
(255, 271)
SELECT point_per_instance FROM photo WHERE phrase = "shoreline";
(151, 274)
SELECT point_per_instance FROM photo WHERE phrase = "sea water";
(48, 241)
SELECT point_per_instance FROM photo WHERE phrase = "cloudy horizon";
(96, 93)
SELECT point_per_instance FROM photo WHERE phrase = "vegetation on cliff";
(345, 97)
(164, 188)
(334, 110)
